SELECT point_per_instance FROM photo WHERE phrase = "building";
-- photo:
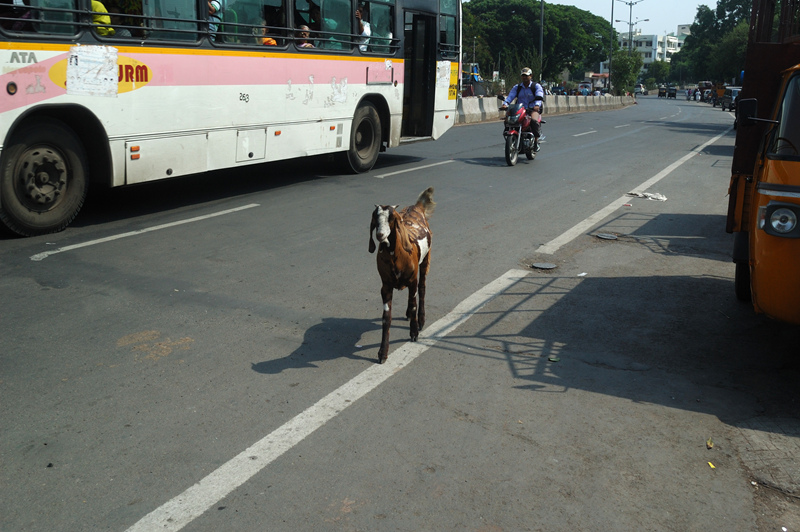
(653, 47)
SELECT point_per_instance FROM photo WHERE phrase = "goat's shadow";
(333, 338)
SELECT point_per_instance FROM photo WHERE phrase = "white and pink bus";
(116, 92)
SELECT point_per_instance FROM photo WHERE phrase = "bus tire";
(43, 178)
(365, 139)
(741, 282)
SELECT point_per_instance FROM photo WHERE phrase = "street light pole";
(630, 33)
(630, 23)
(541, 42)
(611, 49)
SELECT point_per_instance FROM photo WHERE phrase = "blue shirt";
(525, 95)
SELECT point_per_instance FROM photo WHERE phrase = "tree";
(730, 13)
(704, 56)
(659, 70)
(728, 55)
(508, 30)
(625, 69)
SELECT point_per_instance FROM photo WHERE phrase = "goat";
(404, 258)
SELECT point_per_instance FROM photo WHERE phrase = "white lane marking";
(414, 169)
(663, 118)
(623, 125)
(584, 226)
(181, 510)
(44, 255)
(582, 134)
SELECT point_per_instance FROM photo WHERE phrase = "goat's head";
(382, 217)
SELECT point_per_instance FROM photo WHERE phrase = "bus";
(764, 202)
(117, 92)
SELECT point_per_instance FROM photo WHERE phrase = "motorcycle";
(518, 134)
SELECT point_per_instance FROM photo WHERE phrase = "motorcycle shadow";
(493, 161)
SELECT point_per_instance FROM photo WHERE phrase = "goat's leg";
(411, 311)
(423, 275)
(386, 295)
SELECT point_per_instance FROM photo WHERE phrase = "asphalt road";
(200, 354)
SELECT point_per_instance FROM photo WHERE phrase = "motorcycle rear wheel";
(512, 149)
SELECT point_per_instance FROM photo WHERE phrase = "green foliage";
(727, 56)
(505, 35)
(715, 49)
(659, 70)
(624, 70)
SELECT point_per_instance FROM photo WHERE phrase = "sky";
(664, 15)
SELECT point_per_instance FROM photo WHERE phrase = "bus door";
(419, 88)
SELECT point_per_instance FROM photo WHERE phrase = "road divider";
(475, 109)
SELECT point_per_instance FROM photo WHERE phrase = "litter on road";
(655, 196)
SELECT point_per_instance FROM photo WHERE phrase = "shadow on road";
(328, 340)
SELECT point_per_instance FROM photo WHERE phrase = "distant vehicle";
(672, 92)
(706, 96)
(640, 89)
(662, 92)
(559, 91)
(729, 98)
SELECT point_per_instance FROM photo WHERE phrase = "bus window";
(335, 24)
(255, 22)
(381, 22)
(15, 15)
(171, 19)
(54, 18)
(126, 18)
(448, 43)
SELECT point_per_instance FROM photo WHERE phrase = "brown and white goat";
(404, 257)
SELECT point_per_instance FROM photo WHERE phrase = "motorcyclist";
(531, 95)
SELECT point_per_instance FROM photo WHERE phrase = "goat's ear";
(372, 227)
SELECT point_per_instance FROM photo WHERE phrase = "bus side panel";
(154, 159)
(445, 98)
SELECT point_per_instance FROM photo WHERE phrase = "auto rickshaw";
(672, 92)
(662, 92)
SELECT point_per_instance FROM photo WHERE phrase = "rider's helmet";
(526, 72)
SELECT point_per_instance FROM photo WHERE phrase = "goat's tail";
(425, 201)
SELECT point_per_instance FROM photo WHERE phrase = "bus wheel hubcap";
(44, 176)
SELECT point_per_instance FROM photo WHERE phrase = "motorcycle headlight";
(779, 219)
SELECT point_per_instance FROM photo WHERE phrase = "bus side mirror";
(747, 111)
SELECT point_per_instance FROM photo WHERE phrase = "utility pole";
(473, 49)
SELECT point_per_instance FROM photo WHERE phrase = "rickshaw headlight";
(779, 219)
(783, 220)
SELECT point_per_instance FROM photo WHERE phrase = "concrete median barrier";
(475, 109)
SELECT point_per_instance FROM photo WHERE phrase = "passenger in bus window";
(214, 17)
(100, 17)
(263, 36)
(302, 35)
(364, 30)
(17, 10)
(120, 11)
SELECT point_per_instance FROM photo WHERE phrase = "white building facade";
(653, 47)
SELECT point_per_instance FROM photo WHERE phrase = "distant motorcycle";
(518, 134)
